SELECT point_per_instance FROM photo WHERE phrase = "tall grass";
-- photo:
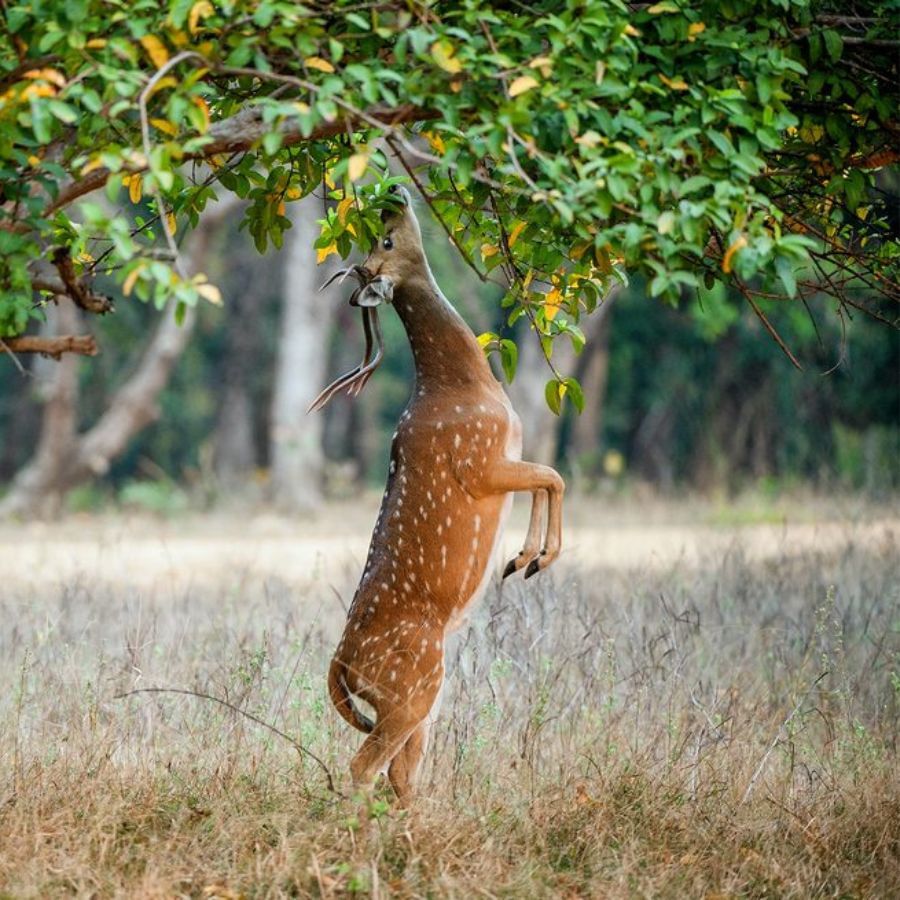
(713, 730)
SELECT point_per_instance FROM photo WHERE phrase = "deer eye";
(388, 244)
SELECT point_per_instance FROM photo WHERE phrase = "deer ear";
(379, 290)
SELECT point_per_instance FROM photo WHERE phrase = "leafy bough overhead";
(561, 146)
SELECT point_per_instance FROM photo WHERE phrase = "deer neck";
(444, 348)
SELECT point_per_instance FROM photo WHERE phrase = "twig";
(4, 348)
(145, 135)
(303, 751)
(767, 324)
(774, 744)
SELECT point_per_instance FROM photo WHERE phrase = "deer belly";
(460, 612)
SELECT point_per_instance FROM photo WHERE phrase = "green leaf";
(509, 358)
(575, 393)
(553, 394)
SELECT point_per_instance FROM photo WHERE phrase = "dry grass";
(722, 724)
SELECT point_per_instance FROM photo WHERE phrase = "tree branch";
(81, 295)
(83, 344)
(240, 132)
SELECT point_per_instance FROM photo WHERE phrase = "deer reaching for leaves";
(455, 463)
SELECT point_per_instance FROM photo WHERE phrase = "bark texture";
(296, 438)
(64, 458)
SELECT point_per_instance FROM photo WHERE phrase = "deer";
(455, 464)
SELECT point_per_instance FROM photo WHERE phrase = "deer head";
(396, 259)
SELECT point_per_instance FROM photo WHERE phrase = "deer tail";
(343, 702)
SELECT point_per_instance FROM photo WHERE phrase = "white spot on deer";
(392, 468)
(437, 645)
(458, 409)
(457, 440)
(443, 556)
(449, 521)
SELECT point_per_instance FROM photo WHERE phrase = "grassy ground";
(701, 709)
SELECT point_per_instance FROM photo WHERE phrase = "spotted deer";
(455, 463)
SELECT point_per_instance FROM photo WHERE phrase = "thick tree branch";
(83, 344)
(245, 129)
(81, 295)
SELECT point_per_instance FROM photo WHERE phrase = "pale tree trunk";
(297, 459)
(235, 454)
(593, 372)
(541, 428)
(65, 459)
(58, 391)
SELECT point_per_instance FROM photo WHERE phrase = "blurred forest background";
(693, 398)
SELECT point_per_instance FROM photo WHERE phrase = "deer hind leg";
(401, 726)
(403, 771)
(532, 546)
(506, 475)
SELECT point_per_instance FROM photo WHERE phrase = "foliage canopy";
(561, 145)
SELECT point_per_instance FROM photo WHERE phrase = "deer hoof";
(510, 569)
(535, 565)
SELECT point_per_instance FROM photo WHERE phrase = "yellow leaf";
(435, 141)
(521, 84)
(156, 50)
(34, 161)
(517, 229)
(730, 252)
(172, 222)
(51, 75)
(133, 275)
(96, 43)
(282, 208)
(442, 52)
(484, 339)
(316, 62)
(357, 165)
(135, 187)
(95, 163)
(324, 252)
(343, 208)
(203, 106)
(631, 31)
(677, 84)
(211, 293)
(200, 10)
(526, 281)
(544, 63)
(329, 181)
(166, 82)
(552, 303)
(488, 250)
(164, 125)
(696, 28)
(217, 161)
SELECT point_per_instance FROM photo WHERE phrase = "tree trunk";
(235, 451)
(541, 428)
(35, 484)
(592, 372)
(296, 438)
(64, 460)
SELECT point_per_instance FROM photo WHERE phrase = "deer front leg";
(505, 476)
(532, 546)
